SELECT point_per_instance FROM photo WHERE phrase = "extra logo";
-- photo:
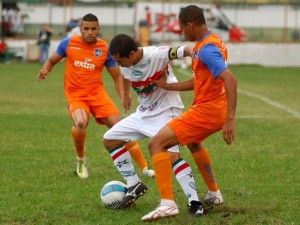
(98, 52)
(137, 73)
(85, 64)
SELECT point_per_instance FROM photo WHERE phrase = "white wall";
(272, 54)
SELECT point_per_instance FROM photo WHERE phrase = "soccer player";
(213, 107)
(86, 55)
(141, 67)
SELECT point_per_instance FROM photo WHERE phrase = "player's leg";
(80, 117)
(161, 162)
(203, 162)
(184, 176)
(133, 147)
(114, 141)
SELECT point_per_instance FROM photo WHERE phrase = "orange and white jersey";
(83, 66)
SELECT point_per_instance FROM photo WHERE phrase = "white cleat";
(148, 173)
(160, 212)
(82, 169)
(213, 198)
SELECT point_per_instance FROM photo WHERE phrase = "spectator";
(43, 40)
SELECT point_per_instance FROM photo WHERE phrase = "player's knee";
(194, 147)
(81, 124)
(154, 146)
(174, 156)
(112, 144)
(107, 143)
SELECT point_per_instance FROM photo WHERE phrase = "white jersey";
(152, 99)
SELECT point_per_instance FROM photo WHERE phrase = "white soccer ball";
(112, 194)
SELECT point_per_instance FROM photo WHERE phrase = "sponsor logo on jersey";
(145, 64)
(98, 52)
(137, 73)
(151, 107)
(85, 64)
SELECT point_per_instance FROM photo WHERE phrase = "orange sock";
(163, 174)
(137, 154)
(202, 160)
(78, 138)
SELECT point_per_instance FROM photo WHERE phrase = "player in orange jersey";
(213, 108)
(86, 55)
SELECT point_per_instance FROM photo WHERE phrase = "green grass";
(258, 175)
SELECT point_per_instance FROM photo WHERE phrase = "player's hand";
(42, 74)
(228, 131)
(162, 82)
(126, 102)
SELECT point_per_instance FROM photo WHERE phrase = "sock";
(137, 154)
(184, 176)
(163, 174)
(79, 139)
(202, 160)
(122, 161)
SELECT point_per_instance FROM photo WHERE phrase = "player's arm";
(54, 59)
(175, 53)
(179, 52)
(230, 85)
(186, 85)
(118, 79)
(48, 65)
(127, 99)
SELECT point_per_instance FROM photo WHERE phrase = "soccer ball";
(112, 194)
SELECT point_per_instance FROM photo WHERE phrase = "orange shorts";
(198, 122)
(99, 105)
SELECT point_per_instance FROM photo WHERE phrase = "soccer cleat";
(196, 208)
(213, 198)
(160, 212)
(132, 194)
(82, 170)
(148, 173)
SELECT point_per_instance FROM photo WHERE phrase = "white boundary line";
(262, 98)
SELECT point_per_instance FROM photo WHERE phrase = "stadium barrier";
(265, 54)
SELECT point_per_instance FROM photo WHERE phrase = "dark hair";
(193, 14)
(122, 44)
(90, 18)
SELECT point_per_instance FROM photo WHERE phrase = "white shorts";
(134, 127)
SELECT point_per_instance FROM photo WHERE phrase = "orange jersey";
(206, 88)
(208, 112)
(83, 67)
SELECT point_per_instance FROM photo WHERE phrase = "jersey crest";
(98, 52)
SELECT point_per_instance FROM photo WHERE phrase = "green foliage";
(258, 175)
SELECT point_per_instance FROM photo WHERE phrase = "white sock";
(167, 202)
(184, 176)
(214, 193)
(122, 160)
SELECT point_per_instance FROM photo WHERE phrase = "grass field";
(258, 175)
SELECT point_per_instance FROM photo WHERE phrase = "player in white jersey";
(141, 67)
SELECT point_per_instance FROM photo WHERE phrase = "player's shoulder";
(156, 51)
(101, 42)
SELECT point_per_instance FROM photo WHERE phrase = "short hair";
(90, 18)
(191, 13)
(122, 44)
